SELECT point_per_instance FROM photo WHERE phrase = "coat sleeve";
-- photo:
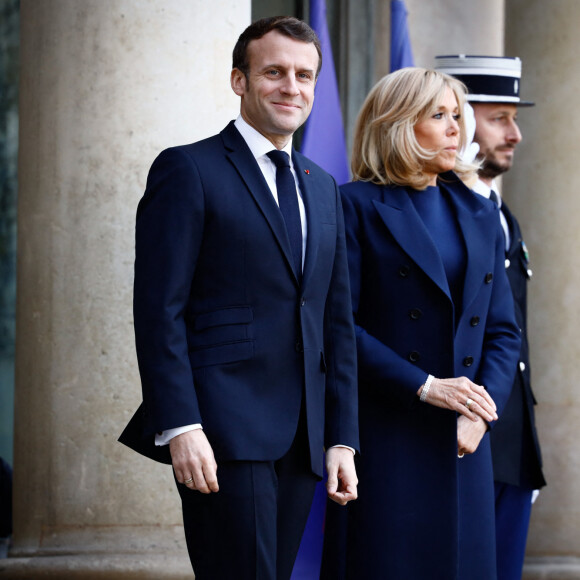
(341, 404)
(502, 341)
(379, 364)
(168, 236)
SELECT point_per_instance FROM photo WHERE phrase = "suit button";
(415, 314)
(507, 263)
(467, 361)
(303, 302)
(488, 278)
(474, 321)
(522, 366)
(299, 347)
(414, 356)
(404, 271)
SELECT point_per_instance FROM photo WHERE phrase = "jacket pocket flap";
(233, 315)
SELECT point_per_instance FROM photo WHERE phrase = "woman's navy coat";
(422, 513)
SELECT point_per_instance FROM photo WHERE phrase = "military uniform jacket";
(514, 441)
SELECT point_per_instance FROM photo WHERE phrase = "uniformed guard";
(494, 93)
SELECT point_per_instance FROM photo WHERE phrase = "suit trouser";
(251, 528)
(513, 506)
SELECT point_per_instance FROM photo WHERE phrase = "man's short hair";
(286, 25)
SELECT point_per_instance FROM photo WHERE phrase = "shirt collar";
(484, 189)
(258, 144)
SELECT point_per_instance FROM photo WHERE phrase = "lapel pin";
(307, 171)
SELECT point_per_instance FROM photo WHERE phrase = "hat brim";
(500, 101)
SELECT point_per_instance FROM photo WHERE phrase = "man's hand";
(193, 461)
(469, 434)
(342, 479)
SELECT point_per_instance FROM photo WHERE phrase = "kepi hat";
(489, 79)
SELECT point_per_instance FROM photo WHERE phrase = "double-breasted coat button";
(404, 271)
(414, 356)
(467, 361)
(522, 366)
(415, 313)
(507, 263)
(474, 321)
(488, 277)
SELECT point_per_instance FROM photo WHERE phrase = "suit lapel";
(241, 157)
(399, 215)
(309, 184)
(514, 241)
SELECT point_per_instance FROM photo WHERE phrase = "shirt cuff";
(344, 447)
(165, 437)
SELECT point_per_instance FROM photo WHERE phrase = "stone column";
(542, 190)
(442, 27)
(105, 85)
(455, 27)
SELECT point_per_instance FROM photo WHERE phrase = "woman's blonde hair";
(385, 148)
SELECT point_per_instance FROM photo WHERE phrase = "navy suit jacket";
(225, 334)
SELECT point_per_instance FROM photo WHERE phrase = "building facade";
(104, 86)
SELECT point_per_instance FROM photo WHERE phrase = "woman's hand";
(461, 395)
(469, 434)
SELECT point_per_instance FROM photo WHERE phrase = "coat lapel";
(241, 157)
(477, 224)
(399, 215)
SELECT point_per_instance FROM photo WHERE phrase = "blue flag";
(323, 140)
(401, 53)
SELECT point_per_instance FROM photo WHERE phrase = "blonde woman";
(436, 337)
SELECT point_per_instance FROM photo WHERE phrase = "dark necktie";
(288, 202)
(495, 198)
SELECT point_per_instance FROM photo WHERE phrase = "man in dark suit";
(243, 320)
(493, 84)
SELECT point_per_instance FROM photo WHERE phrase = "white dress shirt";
(485, 190)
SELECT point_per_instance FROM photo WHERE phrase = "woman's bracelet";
(425, 389)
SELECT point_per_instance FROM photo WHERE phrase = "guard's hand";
(193, 461)
(469, 434)
(342, 479)
(464, 396)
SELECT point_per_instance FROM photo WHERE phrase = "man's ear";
(238, 82)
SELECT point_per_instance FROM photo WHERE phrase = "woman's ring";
(468, 403)
(188, 480)
(460, 455)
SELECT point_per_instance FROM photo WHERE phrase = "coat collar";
(400, 216)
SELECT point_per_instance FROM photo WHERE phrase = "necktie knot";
(279, 158)
(494, 197)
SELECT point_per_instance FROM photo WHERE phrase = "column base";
(550, 568)
(99, 553)
(169, 566)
